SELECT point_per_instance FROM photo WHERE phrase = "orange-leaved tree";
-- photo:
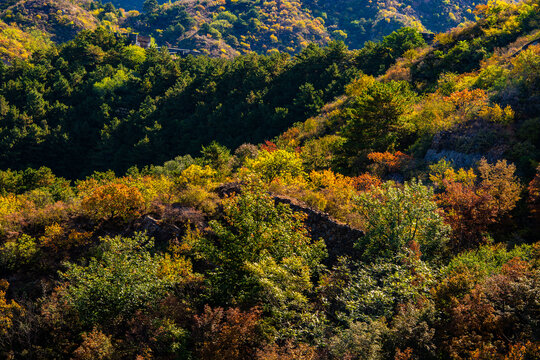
(95, 346)
(470, 207)
(227, 334)
(366, 181)
(387, 162)
(113, 201)
(490, 320)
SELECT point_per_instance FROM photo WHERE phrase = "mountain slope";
(399, 221)
(476, 94)
(220, 27)
(16, 43)
(62, 19)
(230, 27)
(369, 20)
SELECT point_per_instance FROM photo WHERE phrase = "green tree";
(397, 217)
(282, 164)
(285, 289)
(375, 58)
(216, 156)
(402, 40)
(308, 100)
(124, 277)
(373, 118)
(150, 6)
(254, 228)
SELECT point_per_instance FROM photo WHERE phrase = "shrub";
(227, 334)
(470, 207)
(243, 153)
(482, 323)
(113, 201)
(197, 175)
(18, 253)
(289, 351)
(336, 189)
(199, 198)
(95, 346)
(366, 181)
(389, 162)
(173, 168)
(8, 310)
(124, 277)
(280, 164)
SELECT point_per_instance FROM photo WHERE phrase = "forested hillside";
(18, 44)
(227, 28)
(380, 203)
(128, 102)
(30, 25)
(62, 19)
(232, 27)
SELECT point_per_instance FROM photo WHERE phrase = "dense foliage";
(61, 19)
(383, 215)
(129, 102)
(226, 28)
(232, 27)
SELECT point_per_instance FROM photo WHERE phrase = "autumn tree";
(500, 181)
(113, 201)
(387, 162)
(276, 164)
(366, 181)
(484, 323)
(8, 310)
(95, 346)
(471, 206)
(227, 334)
(289, 351)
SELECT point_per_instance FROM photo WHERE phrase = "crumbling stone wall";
(339, 237)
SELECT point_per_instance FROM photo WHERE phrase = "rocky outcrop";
(466, 143)
(172, 224)
(229, 189)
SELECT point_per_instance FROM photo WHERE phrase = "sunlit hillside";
(320, 203)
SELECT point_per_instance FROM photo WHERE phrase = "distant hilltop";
(145, 42)
(231, 28)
